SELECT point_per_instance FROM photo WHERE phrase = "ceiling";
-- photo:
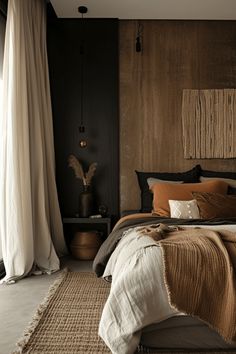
(149, 9)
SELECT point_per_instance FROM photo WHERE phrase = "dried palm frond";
(89, 175)
(78, 169)
(79, 172)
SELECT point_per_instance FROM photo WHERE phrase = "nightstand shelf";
(90, 222)
(76, 225)
(73, 224)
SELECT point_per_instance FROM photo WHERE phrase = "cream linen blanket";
(139, 296)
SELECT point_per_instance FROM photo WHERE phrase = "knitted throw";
(200, 266)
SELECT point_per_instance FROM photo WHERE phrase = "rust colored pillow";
(215, 205)
(163, 192)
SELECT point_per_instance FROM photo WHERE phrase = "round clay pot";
(85, 244)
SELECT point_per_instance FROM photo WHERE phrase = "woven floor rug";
(67, 320)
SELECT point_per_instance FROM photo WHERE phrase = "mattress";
(185, 332)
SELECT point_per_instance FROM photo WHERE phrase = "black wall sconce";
(139, 38)
(83, 142)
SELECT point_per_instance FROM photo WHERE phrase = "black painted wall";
(100, 107)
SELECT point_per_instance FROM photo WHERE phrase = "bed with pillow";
(172, 266)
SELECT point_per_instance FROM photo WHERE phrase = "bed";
(153, 300)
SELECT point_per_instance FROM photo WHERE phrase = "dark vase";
(85, 202)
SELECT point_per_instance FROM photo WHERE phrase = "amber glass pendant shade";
(83, 143)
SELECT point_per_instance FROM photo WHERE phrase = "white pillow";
(231, 182)
(184, 209)
(151, 181)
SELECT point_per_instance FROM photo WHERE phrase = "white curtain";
(2, 41)
(30, 221)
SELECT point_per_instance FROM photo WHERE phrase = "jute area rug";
(67, 320)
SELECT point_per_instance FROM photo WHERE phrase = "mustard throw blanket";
(200, 269)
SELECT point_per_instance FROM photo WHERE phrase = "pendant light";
(82, 143)
(138, 44)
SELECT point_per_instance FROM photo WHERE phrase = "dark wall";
(100, 107)
(3, 7)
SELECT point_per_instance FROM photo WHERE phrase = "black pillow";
(190, 176)
(215, 174)
(207, 173)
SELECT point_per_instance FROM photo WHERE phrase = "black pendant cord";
(81, 128)
(82, 10)
(82, 85)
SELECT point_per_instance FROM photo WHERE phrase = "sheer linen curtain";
(30, 221)
(2, 41)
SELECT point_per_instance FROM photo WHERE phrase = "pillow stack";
(163, 192)
(192, 194)
(191, 176)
